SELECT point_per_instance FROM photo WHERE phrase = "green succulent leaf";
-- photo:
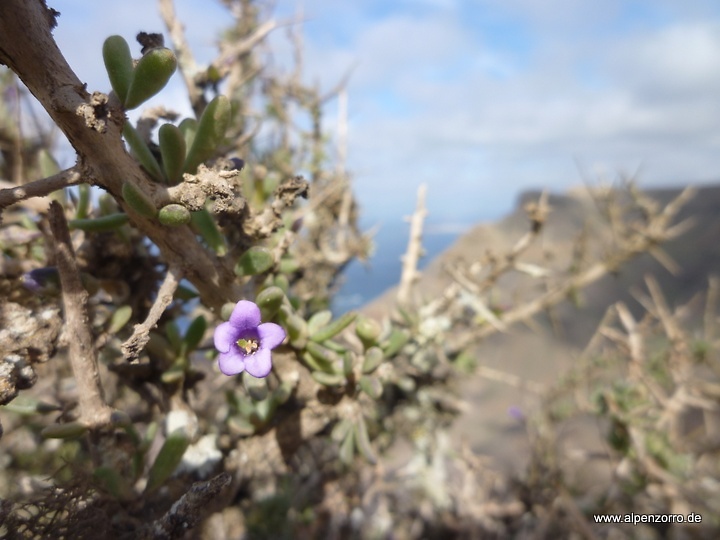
(323, 355)
(397, 340)
(167, 460)
(283, 392)
(152, 73)
(371, 386)
(269, 301)
(111, 481)
(329, 379)
(373, 358)
(173, 334)
(210, 133)
(195, 333)
(119, 319)
(318, 320)
(368, 330)
(188, 127)
(107, 223)
(26, 405)
(334, 328)
(141, 152)
(205, 225)
(172, 150)
(174, 215)
(255, 260)
(362, 440)
(119, 65)
(297, 330)
(138, 200)
(69, 430)
(83, 204)
(347, 448)
(341, 429)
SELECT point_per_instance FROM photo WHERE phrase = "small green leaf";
(173, 334)
(83, 204)
(397, 340)
(373, 358)
(348, 358)
(368, 330)
(152, 73)
(111, 481)
(184, 292)
(119, 319)
(255, 260)
(140, 151)
(174, 215)
(323, 355)
(119, 65)
(188, 128)
(269, 301)
(205, 225)
(283, 392)
(341, 429)
(195, 333)
(172, 150)
(334, 328)
(371, 386)
(318, 320)
(240, 426)
(288, 265)
(69, 430)
(362, 440)
(329, 379)
(27, 405)
(174, 374)
(167, 460)
(138, 200)
(297, 331)
(210, 133)
(347, 448)
(316, 365)
(107, 223)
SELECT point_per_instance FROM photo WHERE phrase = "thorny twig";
(657, 230)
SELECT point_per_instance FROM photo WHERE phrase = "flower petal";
(225, 335)
(245, 316)
(232, 362)
(259, 364)
(271, 335)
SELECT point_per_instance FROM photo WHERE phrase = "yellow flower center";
(250, 346)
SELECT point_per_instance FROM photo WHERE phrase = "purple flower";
(245, 344)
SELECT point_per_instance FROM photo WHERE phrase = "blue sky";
(480, 99)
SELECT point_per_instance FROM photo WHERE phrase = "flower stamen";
(250, 346)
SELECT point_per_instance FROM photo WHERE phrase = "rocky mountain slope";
(541, 352)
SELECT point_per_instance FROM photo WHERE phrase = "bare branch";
(141, 335)
(12, 194)
(414, 251)
(94, 412)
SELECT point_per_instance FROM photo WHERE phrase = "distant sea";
(362, 282)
